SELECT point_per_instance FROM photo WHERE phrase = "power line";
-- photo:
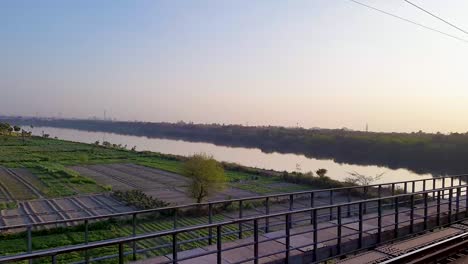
(408, 21)
(441, 19)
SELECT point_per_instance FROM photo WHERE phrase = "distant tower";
(104, 114)
(367, 127)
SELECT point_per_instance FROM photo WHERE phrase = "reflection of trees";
(419, 152)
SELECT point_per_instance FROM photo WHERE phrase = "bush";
(139, 199)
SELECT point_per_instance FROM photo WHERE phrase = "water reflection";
(248, 157)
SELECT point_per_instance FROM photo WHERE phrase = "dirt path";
(5, 193)
(20, 178)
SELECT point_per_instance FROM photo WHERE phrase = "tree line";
(420, 152)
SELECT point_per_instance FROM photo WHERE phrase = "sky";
(312, 63)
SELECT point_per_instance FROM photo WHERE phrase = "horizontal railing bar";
(117, 241)
(129, 213)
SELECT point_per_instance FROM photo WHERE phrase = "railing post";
(218, 244)
(331, 203)
(121, 253)
(466, 201)
(457, 203)
(406, 187)
(424, 185)
(425, 211)
(288, 237)
(412, 214)
(339, 229)
(174, 248)
(175, 219)
(54, 259)
(267, 212)
(312, 204)
(240, 217)
(86, 240)
(314, 254)
(349, 201)
(134, 221)
(413, 186)
(291, 207)
(291, 202)
(450, 206)
(379, 190)
(210, 221)
(438, 208)
(29, 241)
(397, 212)
(360, 224)
(365, 197)
(379, 220)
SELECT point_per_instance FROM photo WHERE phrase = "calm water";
(245, 156)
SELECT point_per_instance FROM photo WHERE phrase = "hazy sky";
(326, 63)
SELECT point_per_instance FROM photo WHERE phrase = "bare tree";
(360, 179)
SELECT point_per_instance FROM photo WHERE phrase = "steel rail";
(432, 252)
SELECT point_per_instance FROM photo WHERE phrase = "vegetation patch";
(139, 199)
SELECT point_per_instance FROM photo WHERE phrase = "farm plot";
(46, 210)
(129, 176)
(16, 185)
(160, 184)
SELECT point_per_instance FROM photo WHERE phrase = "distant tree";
(17, 128)
(134, 148)
(24, 133)
(96, 143)
(359, 179)
(207, 176)
(4, 128)
(321, 172)
(46, 135)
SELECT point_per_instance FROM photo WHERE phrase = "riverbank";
(419, 152)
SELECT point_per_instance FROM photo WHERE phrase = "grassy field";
(16, 243)
(48, 158)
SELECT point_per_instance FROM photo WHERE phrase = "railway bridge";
(381, 223)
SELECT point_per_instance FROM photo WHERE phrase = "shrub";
(139, 199)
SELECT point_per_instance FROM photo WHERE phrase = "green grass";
(48, 159)
(16, 243)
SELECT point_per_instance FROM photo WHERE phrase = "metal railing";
(366, 192)
(424, 211)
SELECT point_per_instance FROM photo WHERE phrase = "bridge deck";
(273, 244)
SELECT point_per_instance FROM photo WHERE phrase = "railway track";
(5, 193)
(444, 251)
(99, 202)
(29, 212)
(81, 206)
(117, 178)
(138, 175)
(20, 178)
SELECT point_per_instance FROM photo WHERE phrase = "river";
(251, 157)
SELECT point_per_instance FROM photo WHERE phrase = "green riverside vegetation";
(48, 159)
(418, 151)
